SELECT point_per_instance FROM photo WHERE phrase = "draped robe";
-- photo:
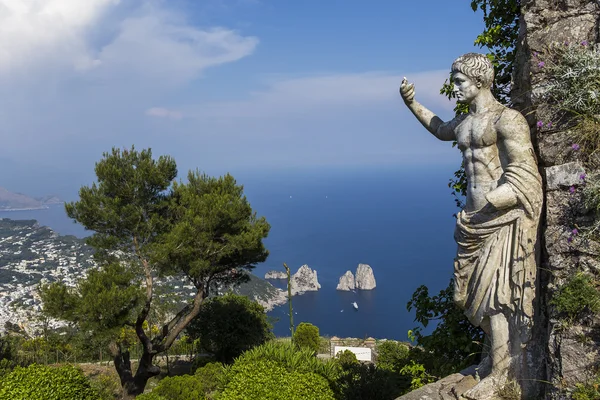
(495, 267)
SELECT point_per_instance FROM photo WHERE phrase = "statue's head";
(475, 66)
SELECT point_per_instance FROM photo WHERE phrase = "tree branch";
(181, 320)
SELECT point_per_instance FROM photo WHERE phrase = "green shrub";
(37, 382)
(291, 358)
(587, 391)
(417, 374)
(184, 387)
(307, 336)
(577, 295)
(346, 359)
(203, 385)
(392, 355)
(269, 380)
(454, 344)
(107, 386)
(211, 377)
(5, 367)
(367, 382)
(229, 325)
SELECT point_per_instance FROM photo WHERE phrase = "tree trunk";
(134, 385)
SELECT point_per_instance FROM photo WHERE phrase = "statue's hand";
(407, 91)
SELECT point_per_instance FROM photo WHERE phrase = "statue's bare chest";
(476, 131)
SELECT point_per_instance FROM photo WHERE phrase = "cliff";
(305, 280)
(365, 280)
(346, 282)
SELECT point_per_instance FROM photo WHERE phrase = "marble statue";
(496, 232)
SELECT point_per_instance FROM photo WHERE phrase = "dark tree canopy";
(229, 325)
(147, 226)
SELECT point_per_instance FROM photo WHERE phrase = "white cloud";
(35, 32)
(148, 41)
(164, 113)
(85, 68)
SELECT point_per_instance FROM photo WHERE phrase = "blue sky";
(239, 85)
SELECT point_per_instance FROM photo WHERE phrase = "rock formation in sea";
(305, 280)
(276, 275)
(365, 280)
(346, 282)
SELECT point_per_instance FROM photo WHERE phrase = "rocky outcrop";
(346, 282)
(305, 280)
(365, 280)
(449, 388)
(570, 354)
(276, 275)
(276, 298)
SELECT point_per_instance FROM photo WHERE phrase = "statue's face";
(465, 88)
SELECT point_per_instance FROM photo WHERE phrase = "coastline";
(24, 209)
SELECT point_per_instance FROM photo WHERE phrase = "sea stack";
(305, 280)
(346, 282)
(365, 280)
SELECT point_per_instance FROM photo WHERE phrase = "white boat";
(355, 305)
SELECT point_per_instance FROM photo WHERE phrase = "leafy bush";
(200, 386)
(573, 72)
(307, 336)
(417, 374)
(185, 387)
(392, 355)
(229, 325)
(211, 377)
(269, 380)
(455, 343)
(589, 391)
(576, 296)
(107, 386)
(38, 382)
(366, 382)
(346, 359)
(292, 358)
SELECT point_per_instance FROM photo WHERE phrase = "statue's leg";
(500, 344)
(500, 360)
(485, 366)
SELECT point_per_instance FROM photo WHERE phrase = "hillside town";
(31, 254)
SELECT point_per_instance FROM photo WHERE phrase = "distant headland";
(11, 201)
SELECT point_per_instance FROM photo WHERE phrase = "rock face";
(346, 282)
(568, 360)
(365, 280)
(305, 280)
(449, 388)
(275, 275)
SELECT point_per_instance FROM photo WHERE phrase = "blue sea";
(399, 220)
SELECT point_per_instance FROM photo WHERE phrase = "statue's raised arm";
(440, 129)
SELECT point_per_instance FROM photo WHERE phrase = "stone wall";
(570, 350)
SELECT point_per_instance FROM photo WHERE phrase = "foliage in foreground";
(37, 382)
(588, 391)
(147, 225)
(292, 358)
(203, 385)
(269, 380)
(578, 295)
(229, 325)
(455, 343)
